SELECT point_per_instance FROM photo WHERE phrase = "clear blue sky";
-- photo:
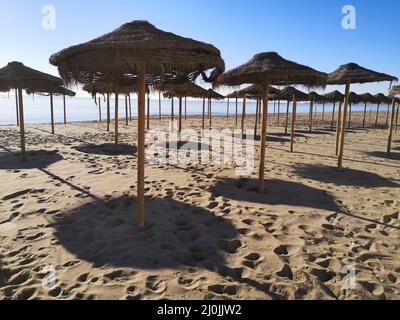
(305, 31)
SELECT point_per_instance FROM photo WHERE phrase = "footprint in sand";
(155, 285)
(229, 246)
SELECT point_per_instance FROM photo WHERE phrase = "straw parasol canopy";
(146, 53)
(255, 90)
(277, 70)
(394, 91)
(334, 96)
(138, 47)
(368, 98)
(382, 98)
(4, 88)
(17, 76)
(215, 95)
(314, 96)
(59, 91)
(354, 73)
(232, 95)
(288, 93)
(187, 89)
(354, 98)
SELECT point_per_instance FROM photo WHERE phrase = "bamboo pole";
(17, 105)
(365, 114)
(21, 124)
(370, 118)
(227, 110)
(126, 110)
(392, 118)
(256, 122)
(243, 114)
(141, 148)
(263, 137)
(333, 115)
(279, 109)
(185, 108)
(259, 110)
(99, 110)
(159, 105)
(338, 126)
(350, 113)
(52, 113)
(387, 116)
(116, 116)
(204, 114)
(65, 110)
(274, 106)
(311, 114)
(287, 117)
(148, 112)
(377, 115)
(172, 109)
(323, 111)
(236, 111)
(293, 123)
(108, 112)
(130, 107)
(180, 115)
(343, 133)
(210, 102)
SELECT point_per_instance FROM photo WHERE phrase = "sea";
(37, 108)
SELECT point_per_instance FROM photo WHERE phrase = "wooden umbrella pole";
(159, 105)
(387, 116)
(338, 126)
(370, 118)
(210, 102)
(204, 114)
(279, 109)
(261, 174)
(21, 124)
(287, 117)
(350, 112)
(274, 108)
(391, 126)
(343, 131)
(243, 114)
(377, 115)
(259, 110)
(180, 115)
(333, 115)
(99, 110)
(185, 108)
(65, 110)
(16, 106)
(130, 107)
(293, 123)
(365, 114)
(256, 122)
(140, 148)
(108, 111)
(52, 113)
(116, 116)
(311, 114)
(227, 109)
(126, 110)
(236, 111)
(172, 109)
(148, 112)
(323, 111)
(397, 117)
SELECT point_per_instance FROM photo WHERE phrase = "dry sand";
(208, 235)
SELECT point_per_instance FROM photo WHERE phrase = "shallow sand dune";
(208, 234)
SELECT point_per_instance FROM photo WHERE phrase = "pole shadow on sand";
(36, 159)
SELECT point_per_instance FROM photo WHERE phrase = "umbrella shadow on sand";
(277, 192)
(176, 235)
(36, 159)
(107, 149)
(384, 155)
(184, 145)
(347, 177)
(270, 138)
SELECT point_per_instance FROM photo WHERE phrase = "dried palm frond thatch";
(334, 96)
(353, 73)
(187, 89)
(215, 95)
(382, 98)
(232, 95)
(16, 75)
(368, 98)
(288, 93)
(256, 89)
(354, 98)
(59, 91)
(135, 48)
(314, 96)
(271, 67)
(394, 91)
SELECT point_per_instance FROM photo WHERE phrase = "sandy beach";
(208, 233)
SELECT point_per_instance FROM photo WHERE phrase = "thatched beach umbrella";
(294, 95)
(234, 95)
(187, 89)
(382, 99)
(212, 95)
(268, 68)
(335, 96)
(354, 98)
(143, 51)
(395, 91)
(367, 98)
(17, 76)
(314, 97)
(347, 74)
